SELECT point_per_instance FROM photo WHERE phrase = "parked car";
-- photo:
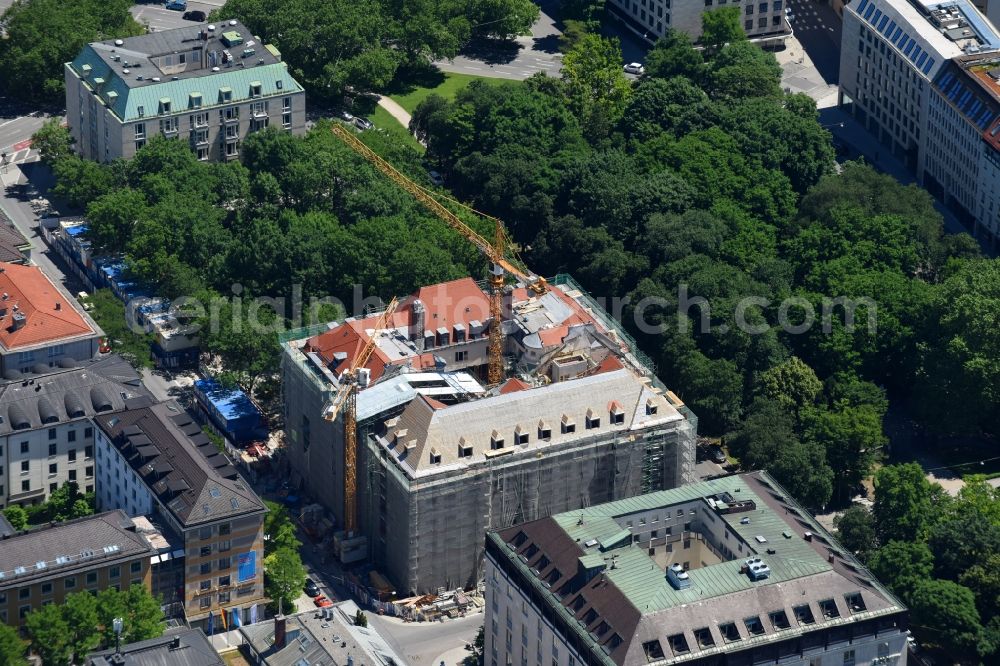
(196, 15)
(177, 5)
(635, 68)
(312, 589)
(322, 602)
(717, 454)
(363, 123)
(436, 177)
(345, 115)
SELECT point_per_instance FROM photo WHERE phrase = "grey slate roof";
(65, 394)
(179, 464)
(74, 545)
(177, 647)
(12, 242)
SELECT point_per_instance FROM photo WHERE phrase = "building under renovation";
(579, 419)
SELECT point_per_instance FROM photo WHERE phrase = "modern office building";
(580, 419)
(763, 21)
(923, 77)
(42, 565)
(40, 324)
(155, 461)
(208, 85)
(178, 646)
(46, 431)
(727, 572)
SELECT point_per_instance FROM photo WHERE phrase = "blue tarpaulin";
(230, 410)
(246, 564)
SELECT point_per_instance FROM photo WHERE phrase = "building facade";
(207, 85)
(725, 572)
(763, 21)
(42, 566)
(155, 461)
(46, 433)
(40, 324)
(923, 78)
(580, 419)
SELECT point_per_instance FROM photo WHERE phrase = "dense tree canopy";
(41, 35)
(331, 45)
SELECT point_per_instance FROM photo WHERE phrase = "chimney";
(279, 632)
(19, 320)
(58, 306)
(417, 324)
(175, 643)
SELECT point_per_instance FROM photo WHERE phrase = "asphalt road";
(420, 643)
(158, 17)
(817, 29)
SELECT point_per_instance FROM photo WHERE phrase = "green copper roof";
(274, 79)
(643, 582)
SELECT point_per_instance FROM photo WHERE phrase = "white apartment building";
(46, 429)
(923, 77)
(763, 20)
(727, 572)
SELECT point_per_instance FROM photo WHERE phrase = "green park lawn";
(445, 84)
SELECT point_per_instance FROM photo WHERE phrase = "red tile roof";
(513, 384)
(457, 302)
(609, 364)
(37, 299)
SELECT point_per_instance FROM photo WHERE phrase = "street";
(423, 643)
(158, 17)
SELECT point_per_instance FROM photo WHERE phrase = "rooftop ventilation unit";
(119, 42)
(756, 569)
(678, 577)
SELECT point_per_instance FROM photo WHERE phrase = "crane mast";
(346, 400)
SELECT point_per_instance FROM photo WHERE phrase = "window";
(90, 472)
(224, 546)
(829, 608)
(704, 637)
(52, 435)
(25, 486)
(754, 626)
(286, 121)
(803, 614)
(53, 487)
(224, 581)
(258, 108)
(140, 130)
(224, 597)
(24, 447)
(202, 153)
(677, 642)
(779, 620)
(255, 90)
(286, 104)
(199, 120)
(135, 567)
(72, 475)
(23, 611)
(224, 563)
(464, 449)
(544, 432)
(205, 568)
(53, 469)
(593, 421)
(206, 551)
(205, 533)
(24, 593)
(231, 150)
(88, 451)
(461, 355)
(749, 10)
(729, 632)
(520, 437)
(496, 441)
(141, 111)
(205, 585)
(205, 602)
(24, 466)
(46, 588)
(168, 125)
(762, 22)
(849, 658)
(115, 572)
(776, 20)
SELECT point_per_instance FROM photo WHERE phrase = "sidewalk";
(395, 110)
(800, 75)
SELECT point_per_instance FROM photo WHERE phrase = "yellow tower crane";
(346, 400)
(495, 250)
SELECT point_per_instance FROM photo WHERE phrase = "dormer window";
(496, 441)
(255, 89)
(544, 431)
(141, 110)
(435, 456)
(164, 105)
(567, 425)
(464, 448)
(195, 100)
(399, 437)
(616, 413)
(593, 420)
(651, 407)
(226, 94)
(520, 435)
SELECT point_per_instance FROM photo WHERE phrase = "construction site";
(469, 406)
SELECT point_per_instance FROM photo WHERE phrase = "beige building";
(155, 461)
(763, 21)
(209, 85)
